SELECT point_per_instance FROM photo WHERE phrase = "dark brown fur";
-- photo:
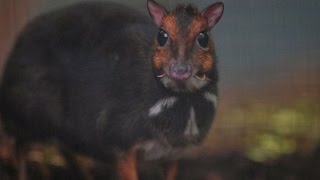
(87, 76)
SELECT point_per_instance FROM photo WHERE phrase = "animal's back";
(101, 76)
(72, 65)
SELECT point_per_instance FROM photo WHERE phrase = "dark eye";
(203, 39)
(162, 37)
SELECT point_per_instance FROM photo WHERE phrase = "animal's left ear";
(213, 13)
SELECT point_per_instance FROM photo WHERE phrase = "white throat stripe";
(211, 97)
(160, 105)
(191, 128)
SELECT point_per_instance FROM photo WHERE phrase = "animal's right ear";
(213, 13)
(156, 11)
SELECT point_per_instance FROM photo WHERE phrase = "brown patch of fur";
(204, 59)
(198, 24)
(162, 54)
(161, 58)
(206, 62)
(169, 24)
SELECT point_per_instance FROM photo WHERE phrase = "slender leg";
(127, 166)
(22, 166)
(73, 164)
(171, 170)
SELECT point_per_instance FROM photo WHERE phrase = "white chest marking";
(211, 97)
(160, 105)
(191, 128)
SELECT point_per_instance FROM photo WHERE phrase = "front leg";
(126, 165)
(171, 170)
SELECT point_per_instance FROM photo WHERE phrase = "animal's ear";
(156, 11)
(213, 13)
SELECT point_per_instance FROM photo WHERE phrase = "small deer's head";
(184, 57)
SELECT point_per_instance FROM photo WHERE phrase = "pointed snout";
(180, 71)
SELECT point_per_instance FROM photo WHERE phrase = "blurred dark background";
(269, 105)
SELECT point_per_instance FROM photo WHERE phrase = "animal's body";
(96, 77)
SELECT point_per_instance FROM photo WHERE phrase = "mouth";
(181, 77)
(191, 84)
(201, 76)
(198, 76)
